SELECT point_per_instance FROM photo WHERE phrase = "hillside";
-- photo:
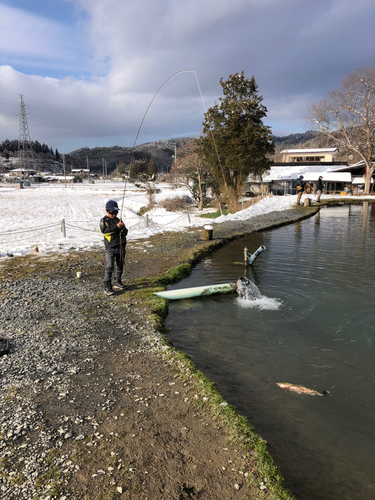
(162, 152)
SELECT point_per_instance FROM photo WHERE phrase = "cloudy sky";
(88, 69)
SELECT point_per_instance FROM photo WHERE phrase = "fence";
(66, 228)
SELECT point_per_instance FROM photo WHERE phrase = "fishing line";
(147, 110)
(141, 125)
(144, 117)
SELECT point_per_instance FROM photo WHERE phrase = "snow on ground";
(33, 216)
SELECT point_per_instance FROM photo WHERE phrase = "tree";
(137, 167)
(152, 168)
(235, 141)
(347, 117)
(6, 145)
(194, 172)
(121, 169)
(147, 180)
(37, 147)
(14, 145)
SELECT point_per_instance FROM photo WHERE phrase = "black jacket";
(319, 185)
(113, 235)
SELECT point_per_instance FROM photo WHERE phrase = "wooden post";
(207, 233)
(63, 230)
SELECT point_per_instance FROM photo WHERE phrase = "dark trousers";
(112, 255)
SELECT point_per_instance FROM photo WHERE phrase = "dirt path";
(117, 413)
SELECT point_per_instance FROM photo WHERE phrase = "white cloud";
(29, 39)
(297, 50)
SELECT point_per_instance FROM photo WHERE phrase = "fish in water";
(247, 290)
(300, 389)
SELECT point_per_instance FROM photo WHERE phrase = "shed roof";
(309, 172)
(314, 150)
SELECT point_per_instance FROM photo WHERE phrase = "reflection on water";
(319, 276)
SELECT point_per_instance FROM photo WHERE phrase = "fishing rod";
(147, 110)
(144, 117)
(142, 122)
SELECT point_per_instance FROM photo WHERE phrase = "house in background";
(311, 163)
(315, 155)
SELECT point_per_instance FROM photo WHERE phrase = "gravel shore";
(92, 404)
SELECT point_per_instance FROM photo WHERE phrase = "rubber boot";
(108, 290)
(118, 285)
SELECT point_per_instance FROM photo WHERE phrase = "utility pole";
(64, 169)
(24, 140)
(103, 160)
(175, 163)
(88, 167)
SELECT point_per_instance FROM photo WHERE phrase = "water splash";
(247, 290)
(249, 297)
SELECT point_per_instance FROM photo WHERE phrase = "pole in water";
(255, 254)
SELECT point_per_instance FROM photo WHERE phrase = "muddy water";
(313, 325)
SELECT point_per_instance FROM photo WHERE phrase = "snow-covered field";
(33, 216)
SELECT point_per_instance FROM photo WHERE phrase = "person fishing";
(300, 189)
(114, 231)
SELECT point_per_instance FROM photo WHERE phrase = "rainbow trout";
(300, 389)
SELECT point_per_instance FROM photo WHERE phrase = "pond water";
(313, 326)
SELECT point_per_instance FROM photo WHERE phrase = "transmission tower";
(25, 150)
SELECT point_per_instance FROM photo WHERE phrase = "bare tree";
(148, 184)
(347, 116)
(193, 172)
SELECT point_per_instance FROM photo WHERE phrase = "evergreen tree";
(152, 168)
(57, 155)
(6, 145)
(235, 141)
(14, 146)
(37, 147)
(121, 169)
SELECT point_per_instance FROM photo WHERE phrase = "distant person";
(300, 189)
(114, 232)
(319, 186)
